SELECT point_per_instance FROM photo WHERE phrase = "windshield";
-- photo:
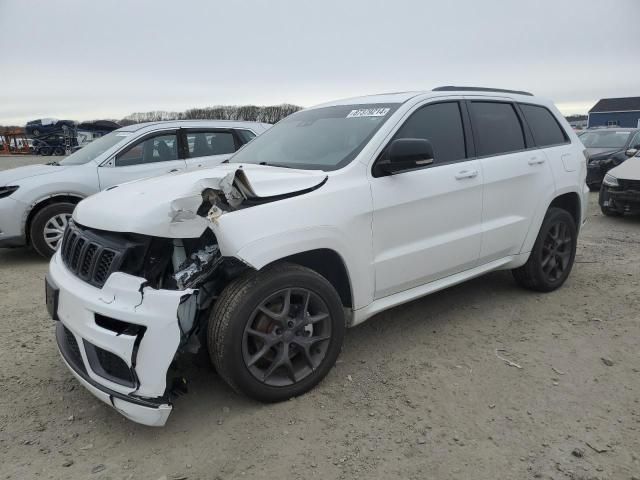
(605, 139)
(319, 139)
(95, 148)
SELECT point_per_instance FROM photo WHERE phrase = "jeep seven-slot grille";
(85, 255)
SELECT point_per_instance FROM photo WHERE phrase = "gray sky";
(88, 59)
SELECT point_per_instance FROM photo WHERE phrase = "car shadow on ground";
(22, 256)
(419, 319)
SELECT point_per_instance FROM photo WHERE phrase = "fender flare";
(266, 250)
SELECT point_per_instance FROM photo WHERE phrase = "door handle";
(536, 161)
(466, 174)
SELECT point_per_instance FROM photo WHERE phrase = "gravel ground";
(419, 391)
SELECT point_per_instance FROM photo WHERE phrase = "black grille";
(86, 254)
(108, 365)
(629, 184)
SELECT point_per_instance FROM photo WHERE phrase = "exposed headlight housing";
(610, 181)
(8, 190)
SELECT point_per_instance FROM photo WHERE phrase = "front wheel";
(48, 226)
(553, 253)
(275, 333)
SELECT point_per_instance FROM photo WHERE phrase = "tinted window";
(496, 128)
(543, 125)
(635, 142)
(441, 124)
(162, 148)
(202, 144)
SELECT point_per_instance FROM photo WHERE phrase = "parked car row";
(36, 201)
(336, 213)
(262, 244)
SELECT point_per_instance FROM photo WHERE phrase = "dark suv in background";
(608, 148)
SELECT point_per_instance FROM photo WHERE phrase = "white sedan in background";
(36, 201)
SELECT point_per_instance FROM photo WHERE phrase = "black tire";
(40, 220)
(46, 151)
(533, 274)
(58, 151)
(235, 313)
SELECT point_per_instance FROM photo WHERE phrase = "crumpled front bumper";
(119, 340)
(621, 200)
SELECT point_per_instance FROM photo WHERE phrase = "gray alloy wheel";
(286, 337)
(275, 333)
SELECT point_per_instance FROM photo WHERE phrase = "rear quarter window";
(497, 129)
(544, 127)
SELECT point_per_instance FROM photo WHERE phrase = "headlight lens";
(8, 190)
(610, 180)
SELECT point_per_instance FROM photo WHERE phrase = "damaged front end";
(127, 305)
(130, 303)
(620, 196)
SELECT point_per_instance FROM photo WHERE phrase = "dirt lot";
(419, 391)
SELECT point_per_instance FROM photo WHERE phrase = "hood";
(9, 177)
(600, 153)
(170, 206)
(627, 170)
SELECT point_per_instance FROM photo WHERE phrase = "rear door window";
(544, 126)
(206, 143)
(496, 128)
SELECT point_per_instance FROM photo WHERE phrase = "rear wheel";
(46, 151)
(58, 151)
(48, 226)
(553, 253)
(274, 334)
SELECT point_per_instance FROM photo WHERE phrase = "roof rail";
(451, 88)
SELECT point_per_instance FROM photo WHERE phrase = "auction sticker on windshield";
(368, 112)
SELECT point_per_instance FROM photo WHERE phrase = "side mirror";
(408, 153)
(631, 152)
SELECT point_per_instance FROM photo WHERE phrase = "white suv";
(336, 213)
(36, 201)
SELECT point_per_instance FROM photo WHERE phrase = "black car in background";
(608, 148)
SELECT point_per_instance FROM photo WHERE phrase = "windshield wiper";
(54, 163)
(274, 165)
